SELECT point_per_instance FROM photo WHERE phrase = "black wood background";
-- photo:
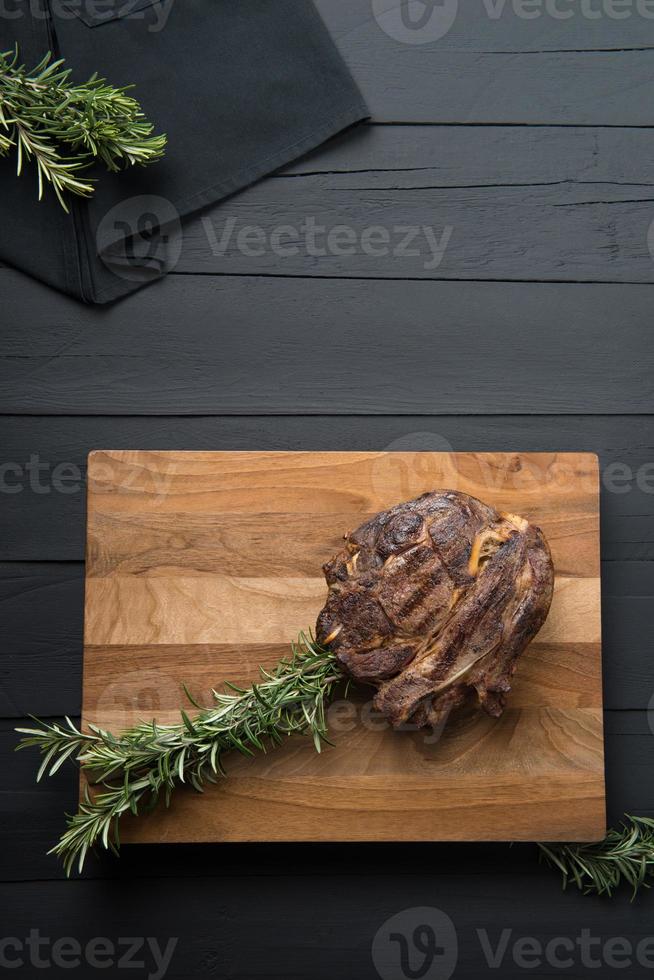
(533, 140)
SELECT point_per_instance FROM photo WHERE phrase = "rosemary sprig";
(625, 854)
(136, 768)
(42, 110)
(149, 760)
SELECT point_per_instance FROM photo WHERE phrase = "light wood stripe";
(179, 610)
(357, 483)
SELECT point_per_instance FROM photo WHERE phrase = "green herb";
(42, 111)
(134, 770)
(149, 761)
(626, 854)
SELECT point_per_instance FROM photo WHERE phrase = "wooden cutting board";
(201, 566)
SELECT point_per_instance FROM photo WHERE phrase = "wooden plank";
(574, 232)
(554, 88)
(499, 25)
(41, 638)
(353, 483)
(235, 921)
(390, 806)
(156, 669)
(410, 157)
(546, 755)
(519, 204)
(43, 508)
(274, 346)
(507, 68)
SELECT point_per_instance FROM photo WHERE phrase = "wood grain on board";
(202, 565)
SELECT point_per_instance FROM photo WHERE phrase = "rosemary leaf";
(625, 854)
(131, 771)
(63, 127)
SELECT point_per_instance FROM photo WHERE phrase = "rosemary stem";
(626, 854)
(133, 770)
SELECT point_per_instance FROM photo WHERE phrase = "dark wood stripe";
(435, 348)
(412, 158)
(430, 229)
(232, 918)
(501, 69)
(487, 26)
(564, 88)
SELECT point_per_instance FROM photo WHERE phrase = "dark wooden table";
(530, 139)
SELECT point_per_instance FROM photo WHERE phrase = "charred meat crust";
(433, 601)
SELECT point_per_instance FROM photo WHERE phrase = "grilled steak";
(433, 601)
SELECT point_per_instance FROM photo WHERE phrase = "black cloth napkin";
(241, 87)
